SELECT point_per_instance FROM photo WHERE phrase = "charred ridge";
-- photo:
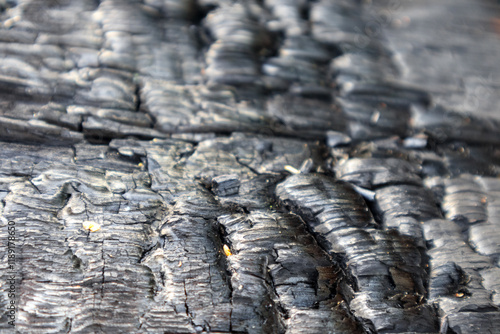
(300, 278)
(340, 220)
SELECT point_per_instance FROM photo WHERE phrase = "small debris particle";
(226, 185)
(375, 117)
(417, 141)
(227, 251)
(292, 169)
(334, 139)
(180, 264)
(306, 166)
(367, 194)
(91, 226)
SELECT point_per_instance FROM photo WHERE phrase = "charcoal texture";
(386, 268)
(277, 166)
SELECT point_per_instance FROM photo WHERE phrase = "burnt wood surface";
(277, 166)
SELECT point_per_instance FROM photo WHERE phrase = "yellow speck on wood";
(291, 169)
(91, 226)
(227, 251)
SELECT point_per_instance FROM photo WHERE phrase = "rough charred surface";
(216, 166)
(457, 285)
(71, 279)
(386, 269)
(274, 253)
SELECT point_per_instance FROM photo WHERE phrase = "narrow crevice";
(189, 315)
(347, 284)
(137, 93)
(103, 270)
(146, 252)
(247, 166)
(220, 236)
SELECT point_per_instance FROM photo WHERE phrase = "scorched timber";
(216, 166)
